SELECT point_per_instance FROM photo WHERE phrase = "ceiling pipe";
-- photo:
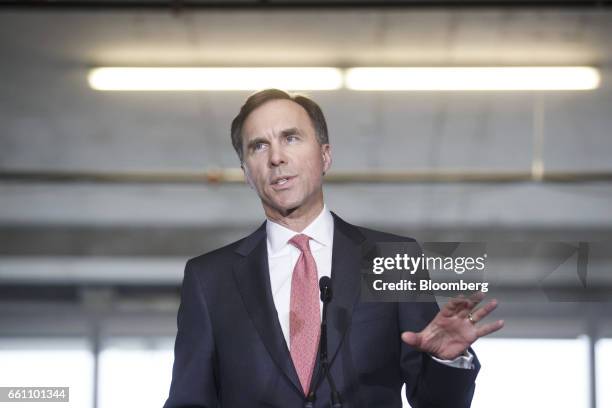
(234, 176)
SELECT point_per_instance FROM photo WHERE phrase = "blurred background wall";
(105, 195)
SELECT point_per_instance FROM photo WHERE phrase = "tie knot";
(301, 242)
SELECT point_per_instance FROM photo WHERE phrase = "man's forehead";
(274, 117)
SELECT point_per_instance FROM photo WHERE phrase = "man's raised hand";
(454, 328)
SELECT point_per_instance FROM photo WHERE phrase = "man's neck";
(295, 221)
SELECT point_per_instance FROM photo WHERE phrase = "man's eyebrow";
(290, 131)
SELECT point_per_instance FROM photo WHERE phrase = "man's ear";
(327, 157)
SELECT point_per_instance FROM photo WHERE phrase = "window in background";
(532, 373)
(54, 362)
(135, 372)
(603, 358)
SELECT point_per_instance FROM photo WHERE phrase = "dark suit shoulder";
(216, 255)
(217, 263)
(371, 235)
(381, 236)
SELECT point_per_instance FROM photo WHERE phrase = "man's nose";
(277, 156)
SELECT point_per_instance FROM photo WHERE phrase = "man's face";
(282, 159)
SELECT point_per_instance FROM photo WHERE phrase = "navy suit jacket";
(230, 351)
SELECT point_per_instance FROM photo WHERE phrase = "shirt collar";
(321, 229)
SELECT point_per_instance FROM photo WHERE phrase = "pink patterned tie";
(304, 315)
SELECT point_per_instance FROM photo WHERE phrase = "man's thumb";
(411, 338)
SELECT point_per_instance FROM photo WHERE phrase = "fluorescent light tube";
(214, 79)
(472, 79)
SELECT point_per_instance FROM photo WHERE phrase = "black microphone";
(326, 290)
(325, 286)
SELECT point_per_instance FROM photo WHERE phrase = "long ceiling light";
(472, 79)
(214, 79)
(360, 79)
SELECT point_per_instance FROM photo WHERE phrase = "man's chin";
(288, 210)
(285, 209)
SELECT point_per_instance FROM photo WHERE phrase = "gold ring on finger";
(471, 318)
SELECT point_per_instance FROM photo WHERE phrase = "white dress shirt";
(282, 257)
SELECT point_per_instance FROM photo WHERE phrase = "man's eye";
(291, 138)
(259, 146)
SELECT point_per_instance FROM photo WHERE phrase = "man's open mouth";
(279, 181)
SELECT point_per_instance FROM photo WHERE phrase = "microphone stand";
(335, 395)
(336, 401)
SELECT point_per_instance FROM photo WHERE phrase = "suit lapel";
(253, 279)
(345, 275)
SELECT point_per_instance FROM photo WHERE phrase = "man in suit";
(249, 320)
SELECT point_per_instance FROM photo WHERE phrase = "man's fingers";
(475, 298)
(470, 304)
(481, 313)
(412, 339)
(489, 328)
(462, 306)
(456, 305)
(465, 308)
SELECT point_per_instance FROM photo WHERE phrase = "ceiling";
(336, 37)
